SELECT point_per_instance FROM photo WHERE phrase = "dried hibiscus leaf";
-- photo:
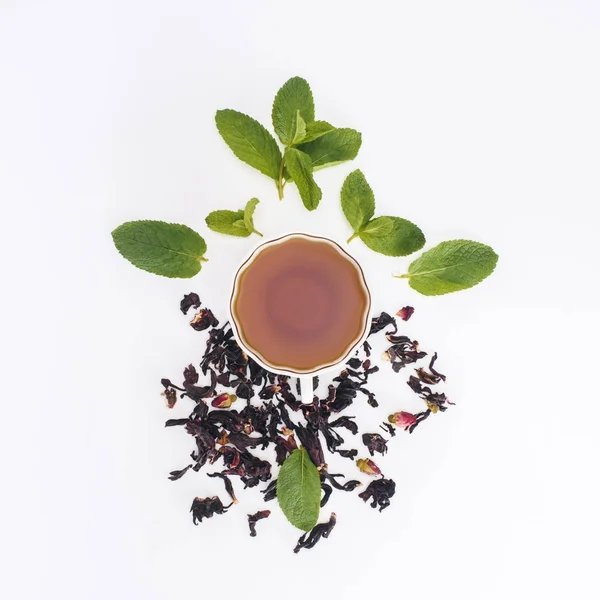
(175, 475)
(375, 443)
(405, 313)
(205, 508)
(381, 322)
(228, 485)
(327, 490)
(349, 486)
(253, 519)
(270, 492)
(204, 319)
(433, 377)
(379, 492)
(190, 375)
(387, 427)
(189, 301)
(354, 363)
(347, 423)
(321, 530)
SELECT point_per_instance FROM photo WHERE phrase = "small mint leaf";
(358, 201)
(316, 129)
(228, 222)
(293, 97)
(451, 266)
(299, 129)
(166, 249)
(399, 238)
(249, 215)
(380, 226)
(299, 490)
(332, 148)
(249, 141)
(299, 166)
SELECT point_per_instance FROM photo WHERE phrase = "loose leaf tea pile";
(239, 408)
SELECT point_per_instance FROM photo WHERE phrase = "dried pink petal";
(405, 313)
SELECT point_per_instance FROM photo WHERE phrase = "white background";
(480, 120)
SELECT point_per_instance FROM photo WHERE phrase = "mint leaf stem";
(354, 235)
(280, 182)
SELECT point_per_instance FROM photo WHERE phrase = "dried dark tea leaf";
(253, 519)
(379, 492)
(322, 530)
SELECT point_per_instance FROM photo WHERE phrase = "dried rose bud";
(223, 400)
(405, 313)
(433, 407)
(366, 465)
(402, 419)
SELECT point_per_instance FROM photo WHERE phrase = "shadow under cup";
(300, 304)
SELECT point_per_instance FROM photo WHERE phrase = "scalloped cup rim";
(282, 369)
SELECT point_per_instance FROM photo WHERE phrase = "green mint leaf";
(229, 222)
(380, 226)
(398, 239)
(294, 96)
(451, 266)
(358, 201)
(249, 141)
(316, 129)
(299, 129)
(299, 490)
(249, 215)
(299, 166)
(332, 148)
(162, 248)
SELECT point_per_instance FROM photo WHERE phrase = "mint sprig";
(239, 223)
(166, 249)
(391, 236)
(293, 117)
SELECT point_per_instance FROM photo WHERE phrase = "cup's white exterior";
(365, 318)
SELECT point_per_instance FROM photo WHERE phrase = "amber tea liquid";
(301, 304)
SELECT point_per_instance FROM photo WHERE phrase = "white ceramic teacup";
(306, 376)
